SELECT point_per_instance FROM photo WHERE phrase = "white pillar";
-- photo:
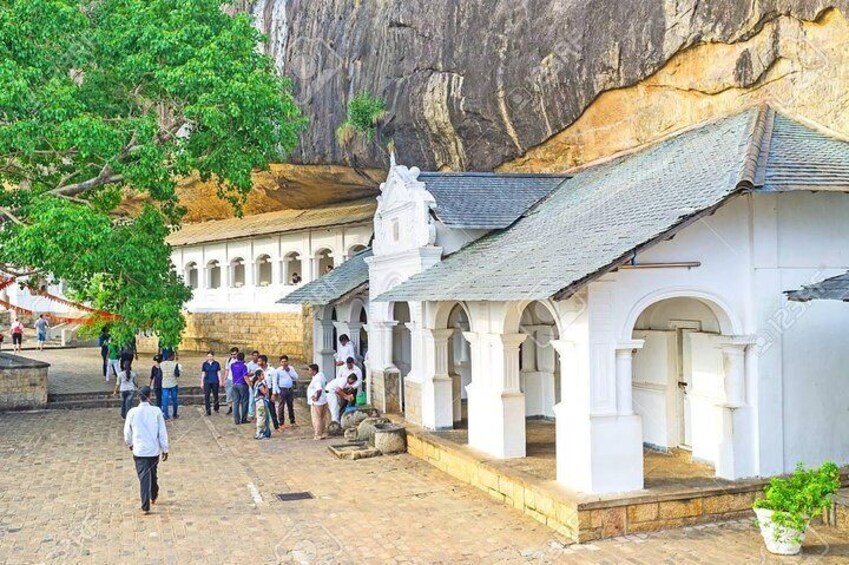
(735, 456)
(326, 351)
(437, 389)
(598, 451)
(624, 376)
(496, 405)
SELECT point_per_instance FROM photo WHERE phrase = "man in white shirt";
(317, 399)
(286, 379)
(270, 374)
(145, 434)
(345, 350)
(350, 368)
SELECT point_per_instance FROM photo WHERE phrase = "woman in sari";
(263, 407)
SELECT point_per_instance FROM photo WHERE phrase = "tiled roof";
(801, 157)
(331, 286)
(597, 219)
(835, 288)
(354, 212)
(486, 200)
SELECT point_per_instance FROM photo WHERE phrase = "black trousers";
(287, 400)
(149, 487)
(273, 409)
(213, 388)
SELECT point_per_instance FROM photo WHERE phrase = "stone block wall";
(413, 401)
(385, 391)
(23, 383)
(273, 334)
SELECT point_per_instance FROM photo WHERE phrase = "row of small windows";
(291, 269)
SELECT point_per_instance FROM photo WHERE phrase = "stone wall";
(272, 334)
(413, 401)
(23, 383)
(385, 391)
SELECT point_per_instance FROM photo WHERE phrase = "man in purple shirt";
(238, 370)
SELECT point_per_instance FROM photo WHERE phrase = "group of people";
(254, 389)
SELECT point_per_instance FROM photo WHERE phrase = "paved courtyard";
(68, 494)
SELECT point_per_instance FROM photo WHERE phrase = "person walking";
(317, 399)
(41, 327)
(17, 331)
(210, 380)
(171, 371)
(127, 384)
(286, 380)
(145, 434)
(114, 361)
(156, 380)
(103, 343)
(239, 372)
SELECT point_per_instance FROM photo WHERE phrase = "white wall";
(252, 297)
(802, 366)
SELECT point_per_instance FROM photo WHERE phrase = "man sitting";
(350, 368)
(341, 392)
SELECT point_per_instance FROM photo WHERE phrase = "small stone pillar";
(735, 456)
(624, 376)
(437, 388)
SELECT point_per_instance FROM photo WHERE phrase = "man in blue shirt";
(210, 380)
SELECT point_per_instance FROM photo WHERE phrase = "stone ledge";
(577, 516)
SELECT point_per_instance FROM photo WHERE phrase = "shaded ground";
(68, 494)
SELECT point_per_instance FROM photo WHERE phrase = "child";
(263, 410)
(156, 379)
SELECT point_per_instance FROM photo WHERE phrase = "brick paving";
(68, 494)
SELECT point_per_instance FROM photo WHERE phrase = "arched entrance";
(679, 379)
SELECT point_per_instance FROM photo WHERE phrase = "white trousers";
(333, 404)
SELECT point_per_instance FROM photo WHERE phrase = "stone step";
(71, 396)
(111, 402)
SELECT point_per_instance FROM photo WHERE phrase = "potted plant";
(790, 503)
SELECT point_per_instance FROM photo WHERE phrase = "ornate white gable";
(403, 220)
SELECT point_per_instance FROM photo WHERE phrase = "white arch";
(514, 311)
(442, 314)
(729, 322)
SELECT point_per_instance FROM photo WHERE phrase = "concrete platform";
(678, 492)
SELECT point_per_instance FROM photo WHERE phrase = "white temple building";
(638, 302)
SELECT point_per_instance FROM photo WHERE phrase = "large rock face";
(545, 85)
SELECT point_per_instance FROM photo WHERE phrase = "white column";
(624, 376)
(735, 455)
(597, 452)
(496, 404)
(437, 391)
(326, 348)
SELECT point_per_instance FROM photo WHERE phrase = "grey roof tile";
(599, 217)
(331, 286)
(486, 200)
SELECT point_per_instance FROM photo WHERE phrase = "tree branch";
(8, 213)
(105, 177)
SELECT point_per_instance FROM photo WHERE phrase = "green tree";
(101, 99)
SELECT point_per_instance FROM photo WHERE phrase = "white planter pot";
(788, 542)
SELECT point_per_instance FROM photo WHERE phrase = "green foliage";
(101, 99)
(797, 498)
(364, 112)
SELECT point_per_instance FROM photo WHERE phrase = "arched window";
(213, 274)
(355, 249)
(263, 270)
(293, 273)
(192, 275)
(237, 272)
(324, 260)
